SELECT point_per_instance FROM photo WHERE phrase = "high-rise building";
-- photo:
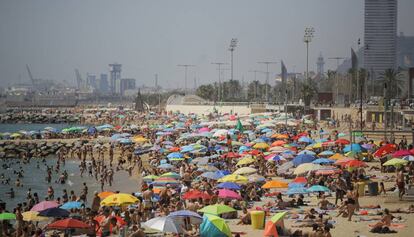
(115, 83)
(320, 63)
(380, 35)
(127, 84)
(91, 81)
(103, 83)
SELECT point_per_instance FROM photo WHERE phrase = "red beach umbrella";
(68, 224)
(195, 194)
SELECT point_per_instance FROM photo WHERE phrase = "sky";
(151, 37)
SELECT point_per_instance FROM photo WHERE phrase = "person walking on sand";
(400, 183)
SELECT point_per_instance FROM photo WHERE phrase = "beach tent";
(214, 226)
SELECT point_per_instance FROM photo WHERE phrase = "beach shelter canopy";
(214, 226)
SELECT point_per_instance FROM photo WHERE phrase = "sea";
(34, 177)
(35, 174)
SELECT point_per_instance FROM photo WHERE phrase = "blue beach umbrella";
(71, 205)
(307, 152)
(175, 155)
(212, 175)
(305, 139)
(54, 212)
(353, 147)
(229, 185)
(301, 159)
(318, 188)
(326, 153)
(323, 161)
(296, 190)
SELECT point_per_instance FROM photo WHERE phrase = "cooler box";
(373, 188)
(258, 219)
(361, 188)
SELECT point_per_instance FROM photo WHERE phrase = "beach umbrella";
(194, 217)
(72, 205)
(353, 147)
(68, 223)
(175, 155)
(305, 140)
(273, 157)
(105, 194)
(326, 153)
(44, 205)
(385, 150)
(330, 171)
(337, 156)
(234, 178)
(214, 226)
(409, 158)
(245, 161)
(355, 164)
(245, 170)
(187, 148)
(343, 161)
(300, 179)
(229, 185)
(301, 159)
(231, 155)
(261, 145)
(275, 184)
(396, 162)
(163, 181)
(119, 199)
(7, 216)
(285, 167)
(33, 216)
(220, 133)
(171, 175)
(323, 161)
(243, 148)
(306, 167)
(195, 194)
(119, 220)
(318, 188)
(307, 152)
(164, 224)
(216, 209)
(139, 139)
(54, 212)
(296, 190)
(227, 193)
(280, 136)
(342, 141)
(278, 143)
(277, 149)
(255, 178)
(212, 175)
(165, 166)
(401, 153)
(150, 177)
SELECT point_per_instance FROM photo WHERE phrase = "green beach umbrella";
(278, 216)
(214, 226)
(216, 209)
(239, 125)
(7, 216)
(395, 162)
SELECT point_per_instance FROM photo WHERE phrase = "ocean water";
(14, 127)
(35, 178)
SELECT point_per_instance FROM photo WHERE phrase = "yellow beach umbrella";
(337, 156)
(119, 199)
(245, 161)
(317, 145)
(139, 139)
(235, 178)
(33, 216)
(245, 170)
(261, 145)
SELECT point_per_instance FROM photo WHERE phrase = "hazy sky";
(153, 36)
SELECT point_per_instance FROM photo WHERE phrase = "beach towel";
(393, 225)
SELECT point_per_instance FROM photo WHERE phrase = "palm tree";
(308, 91)
(392, 79)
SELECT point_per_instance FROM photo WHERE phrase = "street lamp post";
(219, 78)
(307, 38)
(233, 44)
(185, 74)
(267, 78)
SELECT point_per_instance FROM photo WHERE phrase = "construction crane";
(79, 81)
(30, 75)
